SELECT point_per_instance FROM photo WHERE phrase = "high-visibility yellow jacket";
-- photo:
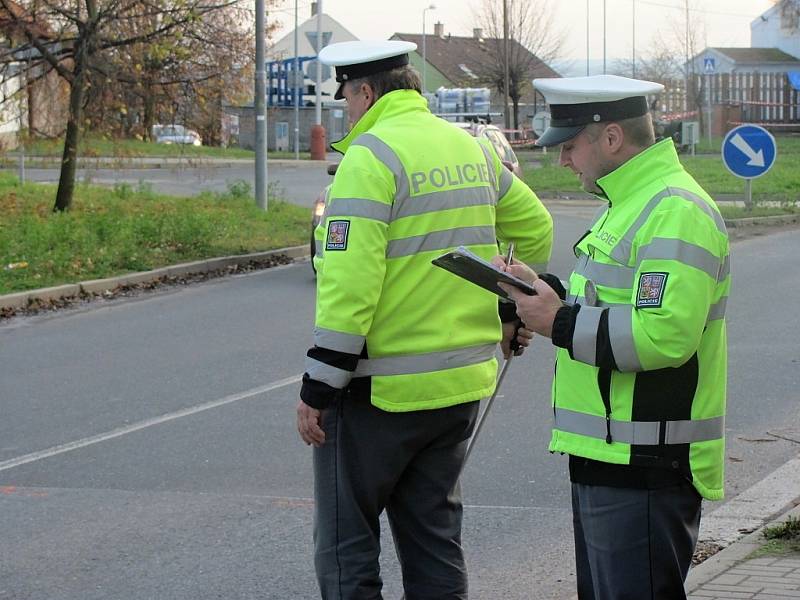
(410, 187)
(641, 376)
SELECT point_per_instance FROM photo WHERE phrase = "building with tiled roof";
(732, 60)
(465, 62)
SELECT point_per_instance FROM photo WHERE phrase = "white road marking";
(120, 431)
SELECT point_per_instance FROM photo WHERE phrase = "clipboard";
(473, 268)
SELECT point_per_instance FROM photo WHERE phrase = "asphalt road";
(148, 449)
(299, 183)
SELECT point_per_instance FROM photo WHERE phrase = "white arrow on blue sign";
(749, 151)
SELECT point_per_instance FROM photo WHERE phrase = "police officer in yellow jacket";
(639, 390)
(392, 384)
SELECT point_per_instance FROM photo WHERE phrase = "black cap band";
(574, 115)
(349, 72)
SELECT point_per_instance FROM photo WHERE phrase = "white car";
(176, 134)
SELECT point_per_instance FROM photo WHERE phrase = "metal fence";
(767, 98)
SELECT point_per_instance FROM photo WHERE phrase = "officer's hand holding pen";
(515, 336)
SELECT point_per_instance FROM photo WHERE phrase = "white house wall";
(284, 48)
(766, 32)
(11, 106)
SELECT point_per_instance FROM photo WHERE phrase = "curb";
(192, 162)
(21, 300)
(729, 557)
(773, 220)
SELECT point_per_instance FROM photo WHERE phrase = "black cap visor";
(553, 136)
(345, 73)
(339, 95)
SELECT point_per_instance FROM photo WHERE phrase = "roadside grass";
(126, 229)
(781, 184)
(783, 538)
(94, 146)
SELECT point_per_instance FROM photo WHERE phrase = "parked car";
(490, 132)
(318, 211)
(498, 141)
(176, 134)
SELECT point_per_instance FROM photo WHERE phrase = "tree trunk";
(149, 110)
(66, 181)
(32, 108)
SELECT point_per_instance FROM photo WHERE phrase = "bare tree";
(186, 80)
(83, 35)
(533, 40)
(658, 64)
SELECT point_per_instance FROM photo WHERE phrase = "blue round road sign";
(749, 151)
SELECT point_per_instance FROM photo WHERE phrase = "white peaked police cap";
(361, 58)
(577, 101)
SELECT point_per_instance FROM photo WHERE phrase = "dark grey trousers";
(633, 544)
(407, 464)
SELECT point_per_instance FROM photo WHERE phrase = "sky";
(726, 23)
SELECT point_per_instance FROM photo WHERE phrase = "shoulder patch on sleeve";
(337, 235)
(651, 290)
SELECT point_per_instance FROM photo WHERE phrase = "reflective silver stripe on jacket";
(726, 268)
(717, 311)
(622, 251)
(319, 247)
(579, 299)
(359, 207)
(685, 253)
(490, 164)
(338, 341)
(404, 205)
(620, 332)
(425, 363)
(442, 200)
(440, 240)
(383, 152)
(643, 433)
(616, 276)
(584, 339)
(333, 376)
(506, 179)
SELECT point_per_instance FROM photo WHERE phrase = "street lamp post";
(424, 53)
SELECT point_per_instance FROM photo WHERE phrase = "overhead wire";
(697, 10)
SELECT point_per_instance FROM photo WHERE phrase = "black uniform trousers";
(634, 544)
(408, 464)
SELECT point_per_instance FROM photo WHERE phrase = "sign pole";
(748, 195)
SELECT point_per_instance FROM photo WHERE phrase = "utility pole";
(686, 83)
(604, 37)
(506, 116)
(260, 107)
(297, 90)
(633, 37)
(424, 52)
(587, 38)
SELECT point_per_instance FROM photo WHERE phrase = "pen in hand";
(514, 343)
(510, 254)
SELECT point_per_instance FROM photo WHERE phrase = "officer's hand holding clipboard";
(473, 268)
